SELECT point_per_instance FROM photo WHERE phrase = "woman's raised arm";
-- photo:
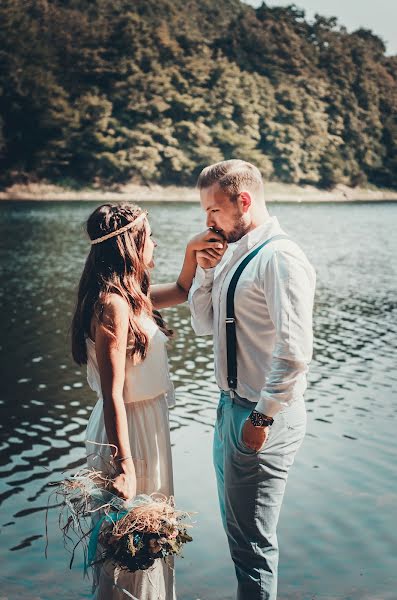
(164, 295)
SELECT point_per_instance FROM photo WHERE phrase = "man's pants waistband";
(236, 399)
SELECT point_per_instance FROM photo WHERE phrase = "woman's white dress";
(148, 393)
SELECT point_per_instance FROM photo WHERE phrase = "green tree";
(151, 91)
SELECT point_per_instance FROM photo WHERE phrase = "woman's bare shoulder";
(115, 309)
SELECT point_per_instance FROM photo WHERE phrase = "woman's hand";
(124, 484)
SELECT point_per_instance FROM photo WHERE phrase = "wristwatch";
(260, 420)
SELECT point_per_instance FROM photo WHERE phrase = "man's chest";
(249, 295)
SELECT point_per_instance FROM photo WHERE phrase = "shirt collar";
(261, 233)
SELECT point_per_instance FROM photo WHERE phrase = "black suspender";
(231, 340)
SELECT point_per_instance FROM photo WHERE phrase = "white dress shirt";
(273, 306)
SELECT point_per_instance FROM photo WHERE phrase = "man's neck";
(258, 219)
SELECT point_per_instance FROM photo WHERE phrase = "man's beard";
(238, 231)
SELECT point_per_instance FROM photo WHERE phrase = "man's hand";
(209, 247)
(254, 438)
(206, 260)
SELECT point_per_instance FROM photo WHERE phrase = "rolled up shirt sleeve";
(200, 301)
(289, 284)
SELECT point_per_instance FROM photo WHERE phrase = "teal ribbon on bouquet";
(112, 517)
(116, 502)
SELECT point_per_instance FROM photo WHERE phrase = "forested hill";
(110, 91)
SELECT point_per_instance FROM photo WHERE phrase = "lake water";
(337, 529)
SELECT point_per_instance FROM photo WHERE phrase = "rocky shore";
(275, 192)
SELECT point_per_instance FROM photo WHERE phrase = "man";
(261, 424)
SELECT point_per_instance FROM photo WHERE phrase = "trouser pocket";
(239, 415)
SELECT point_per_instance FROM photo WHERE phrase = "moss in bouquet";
(138, 550)
(176, 544)
(132, 552)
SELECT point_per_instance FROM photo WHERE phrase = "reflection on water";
(336, 527)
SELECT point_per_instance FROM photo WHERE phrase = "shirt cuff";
(267, 406)
(204, 277)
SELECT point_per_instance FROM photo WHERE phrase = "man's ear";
(245, 201)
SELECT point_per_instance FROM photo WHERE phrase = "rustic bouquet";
(131, 534)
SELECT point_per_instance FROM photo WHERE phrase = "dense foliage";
(152, 90)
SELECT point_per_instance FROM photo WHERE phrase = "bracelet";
(124, 458)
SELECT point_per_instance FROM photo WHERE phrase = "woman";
(121, 337)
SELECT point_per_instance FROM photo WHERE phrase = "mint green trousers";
(251, 488)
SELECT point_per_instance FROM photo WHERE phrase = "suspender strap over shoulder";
(231, 340)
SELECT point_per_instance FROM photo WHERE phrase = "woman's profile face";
(149, 247)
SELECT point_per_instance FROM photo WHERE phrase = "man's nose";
(210, 221)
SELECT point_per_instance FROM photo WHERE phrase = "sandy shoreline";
(275, 192)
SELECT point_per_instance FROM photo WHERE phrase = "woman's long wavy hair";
(114, 266)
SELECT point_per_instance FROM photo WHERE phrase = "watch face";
(260, 420)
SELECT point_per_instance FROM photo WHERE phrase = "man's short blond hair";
(233, 176)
